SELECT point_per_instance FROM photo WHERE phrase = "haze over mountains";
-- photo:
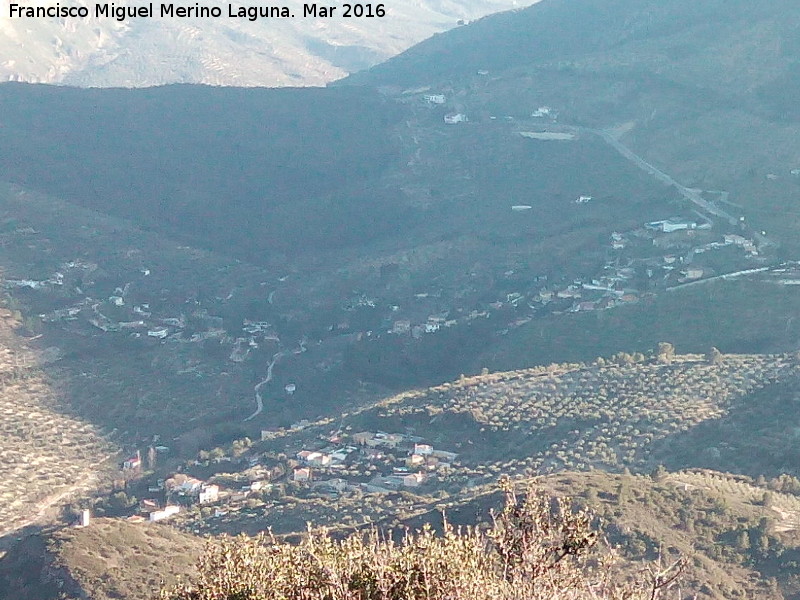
(207, 266)
(102, 52)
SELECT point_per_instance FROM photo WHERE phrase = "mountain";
(632, 413)
(250, 276)
(702, 90)
(364, 221)
(137, 52)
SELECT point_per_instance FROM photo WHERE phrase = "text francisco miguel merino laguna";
(120, 13)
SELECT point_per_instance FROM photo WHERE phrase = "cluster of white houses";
(432, 325)
(410, 460)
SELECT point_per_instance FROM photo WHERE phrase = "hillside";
(604, 36)
(738, 546)
(621, 415)
(109, 559)
(418, 214)
(329, 247)
(140, 52)
(626, 412)
(327, 302)
(48, 453)
(702, 90)
(245, 170)
(399, 455)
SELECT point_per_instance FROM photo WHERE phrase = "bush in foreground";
(533, 549)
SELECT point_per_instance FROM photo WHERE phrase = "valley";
(536, 249)
(229, 346)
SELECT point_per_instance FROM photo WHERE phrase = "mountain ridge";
(141, 52)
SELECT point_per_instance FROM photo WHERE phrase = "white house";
(334, 485)
(169, 511)
(189, 486)
(134, 462)
(423, 449)
(453, 118)
(208, 493)
(669, 226)
(415, 460)
(413, 479)
(735, 239)
(85, 519)
(317, 459)
(303, 474)
(435, 98)
(159, 333)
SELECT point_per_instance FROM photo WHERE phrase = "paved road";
(259, 385)
(692, 195)
(725, 276)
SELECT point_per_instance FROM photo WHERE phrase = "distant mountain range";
(103, 52)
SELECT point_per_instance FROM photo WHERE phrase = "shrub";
(533, 549)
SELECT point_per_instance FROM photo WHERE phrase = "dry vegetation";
(535, 548)
(782, 508)
(114, 559)
(737, 546)
(288, 514)
(735, 530)
(45, 454)
(109, 559)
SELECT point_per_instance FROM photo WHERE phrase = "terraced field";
(578, 417)
(45, 454)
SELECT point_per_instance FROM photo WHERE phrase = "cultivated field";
(577, 417)
(45, 454)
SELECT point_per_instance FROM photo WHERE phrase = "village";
(225, 481)
(659, 256)
(686, 247)
(89, 297)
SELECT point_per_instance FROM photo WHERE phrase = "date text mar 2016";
(345, 10)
